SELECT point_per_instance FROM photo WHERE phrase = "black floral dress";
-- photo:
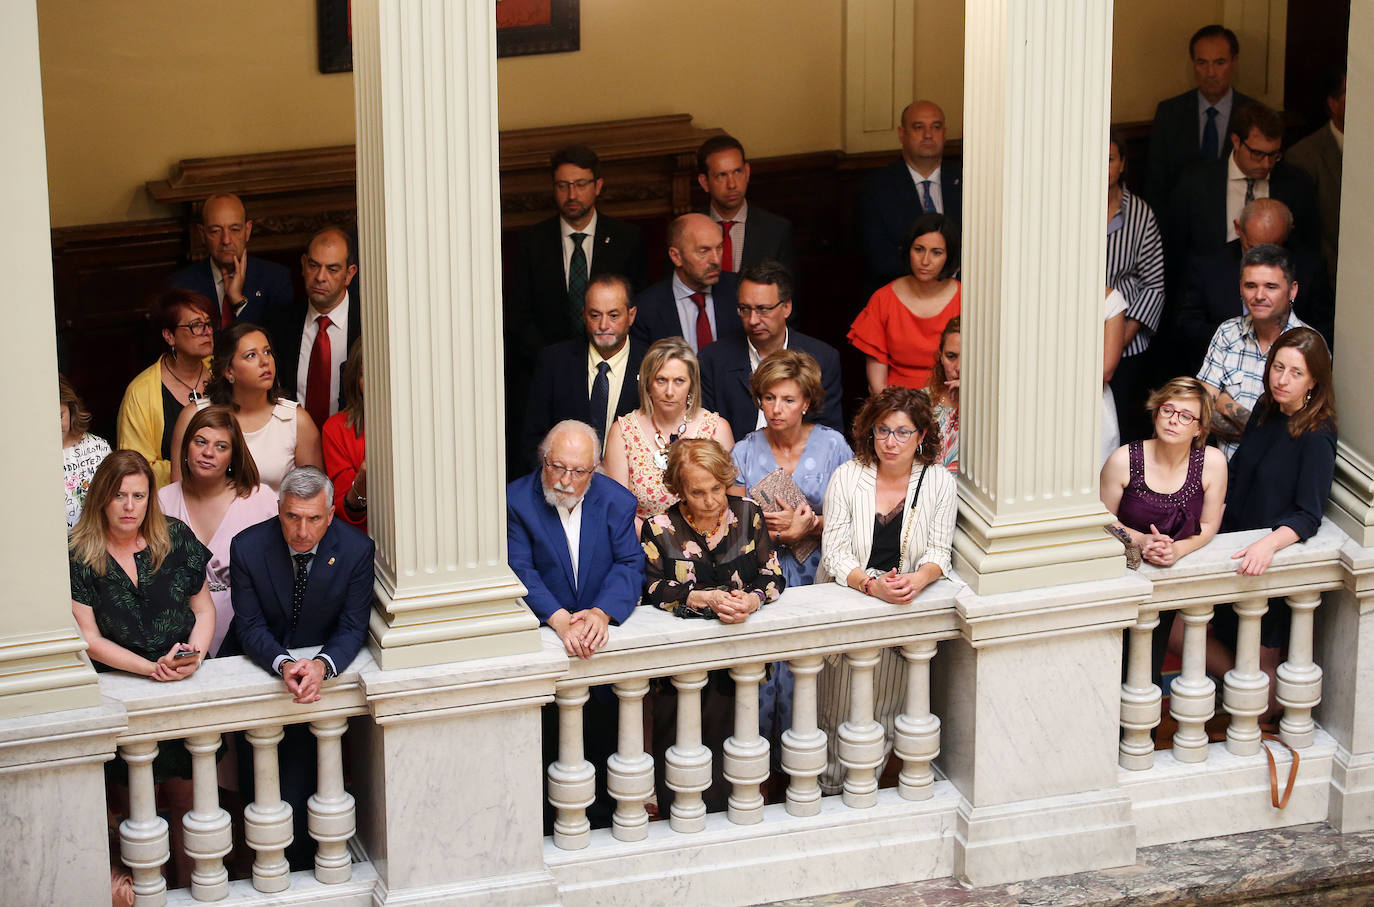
(678, 560)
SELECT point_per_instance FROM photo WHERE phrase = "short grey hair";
(1268, 255)
(305, 482)
(572, 425)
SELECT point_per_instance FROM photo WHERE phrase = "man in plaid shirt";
(1234, 367)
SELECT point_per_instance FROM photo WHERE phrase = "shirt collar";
(1337, 134)
(918, 178)
(616, 362)
(1223, 105)
(565, 229)
(682, 291)
(740, 216)
(754, 357)
(338, 316)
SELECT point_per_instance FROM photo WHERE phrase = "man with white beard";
(570, 538)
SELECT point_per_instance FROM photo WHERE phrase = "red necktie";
(317, 379)
(727, 247)
(704, 337)
(227, 318)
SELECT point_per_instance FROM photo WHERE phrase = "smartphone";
(185, 653)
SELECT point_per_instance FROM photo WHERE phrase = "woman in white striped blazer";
(889, 518)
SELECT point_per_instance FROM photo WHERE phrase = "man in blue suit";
(244, 288)
(698, 301)
(299, 580)
(570, 538)
(923, 180)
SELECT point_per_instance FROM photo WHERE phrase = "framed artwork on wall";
(334, 27)
(537, 27)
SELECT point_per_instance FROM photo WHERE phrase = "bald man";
(922, 180)
(244, 288)
(698, 302)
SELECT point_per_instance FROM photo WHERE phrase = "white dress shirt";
(736, 232)
(1235, 194)
(566, 231)
(936, 194)
(338, 349)
(687, 312)
(572, 528)
(754, 360)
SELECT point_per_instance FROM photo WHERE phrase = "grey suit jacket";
(1319, 157)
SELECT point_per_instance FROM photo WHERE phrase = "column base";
(1014, 554)
(485, 621)
(1351, 806)
(1045, 837)
(1352, 496)
(45, 673)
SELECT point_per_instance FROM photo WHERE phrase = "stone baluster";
(330, 809)
(267, 820)
(630, 770)
(206, 828)
(860, 738)
(143, 839)
(1300, 680)
(1192, 697)
(687, 764)
(803, 744)
(917, 737)
(1245, 688)
(1140, 696)
(572, 780)
(746, 752)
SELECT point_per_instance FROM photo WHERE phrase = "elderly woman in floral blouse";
(707, 556)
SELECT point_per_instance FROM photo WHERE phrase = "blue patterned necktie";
(927, 203)
(298, 587)
(1210, 140)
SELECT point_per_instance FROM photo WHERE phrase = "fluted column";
(428, 221)
(1352, 495)
(1036, 104)
(40, 665)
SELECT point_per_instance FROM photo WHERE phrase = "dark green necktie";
(577, 276)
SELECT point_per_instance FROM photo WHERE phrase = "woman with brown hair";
(345, 445)
(218, 496)
(82, 452)
(943, 391)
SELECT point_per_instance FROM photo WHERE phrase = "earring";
(689, 401)
(172, 351)
(803, 410)
(1308, 399)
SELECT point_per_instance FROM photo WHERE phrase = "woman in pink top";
(218, 496)
(899, 330)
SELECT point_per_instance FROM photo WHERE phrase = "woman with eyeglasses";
(156, 397)
(889, 520)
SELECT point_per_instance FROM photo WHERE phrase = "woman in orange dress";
(899, 330)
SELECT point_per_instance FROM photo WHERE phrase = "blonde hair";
(789, 365)
(656, 358)
(1185, 387)
(88, 539)
(703, 452)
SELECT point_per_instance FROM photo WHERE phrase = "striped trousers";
(832, 706)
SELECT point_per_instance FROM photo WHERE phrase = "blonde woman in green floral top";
(709, 555)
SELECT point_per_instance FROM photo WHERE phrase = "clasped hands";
(582, 632)
(169, 667)
(731, 607)
(304, 677)
(790, 525)
(896, 588)
(1157, 548)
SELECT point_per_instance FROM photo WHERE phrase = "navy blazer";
(656, 311)
(266, 287)
(610, 563)
(559, 391)
(285, 332)
(725, 377)
(1175, 143)
(338, 594)
(888, 204)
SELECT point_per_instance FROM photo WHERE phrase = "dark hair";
(1268, 255)
(714, 144)
(771, 272)
(895, 399)
(166, 306)
(618, 281)
(242, 472)
(577, 155)
(351, 386)
(349, 245)
(76, 411)
(219, 388)
(1256, 116)
(938, 388)
(1214, 31)
(1335, 79)
(946, 227)
(1114, 138)
(1319, 409)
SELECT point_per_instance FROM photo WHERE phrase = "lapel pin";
(331, 562)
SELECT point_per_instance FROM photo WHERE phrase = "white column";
(1245, 688)
(143, 839)
(803, 744)
(630, 771)
(267, 820)
(572, 779)
(687, 764)
(206, 828)
(1140, 697)
(745, 752)
(917, 737)
(40, 665)
(1036, 103)
(860, 738)
(1192, 695)
(428, 217)
(331, 817)
(1299, 679)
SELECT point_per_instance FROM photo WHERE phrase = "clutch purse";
(777, 491)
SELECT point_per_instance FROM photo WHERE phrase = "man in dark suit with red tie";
(698, 301)
(244, 288)
(749, 234)
(311, 339)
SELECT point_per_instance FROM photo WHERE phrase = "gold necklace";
(687, 515)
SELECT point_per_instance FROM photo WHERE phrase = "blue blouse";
(825, 450)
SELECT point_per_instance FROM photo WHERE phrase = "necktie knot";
(1212, 113)
(302, 561)
(700, 300)
(725, 225)
(324, 322)
(602, 368)
(577, 239)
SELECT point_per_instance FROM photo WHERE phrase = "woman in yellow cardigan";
(158, 394)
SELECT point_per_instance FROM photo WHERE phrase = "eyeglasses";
(882, 433)
(1274, 156)
(746, 310)
(1169, 411)
(198, 328)
(560, 470)
(569, 185)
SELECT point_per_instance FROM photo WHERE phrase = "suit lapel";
(321, 570)
(282, 573)
(557, 541)
(593, 517)
(862, 509)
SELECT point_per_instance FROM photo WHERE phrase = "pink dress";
(260, 505)
(646, 479)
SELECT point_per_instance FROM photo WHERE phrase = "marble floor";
(1301, 865)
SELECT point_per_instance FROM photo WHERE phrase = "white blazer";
(850, 509)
